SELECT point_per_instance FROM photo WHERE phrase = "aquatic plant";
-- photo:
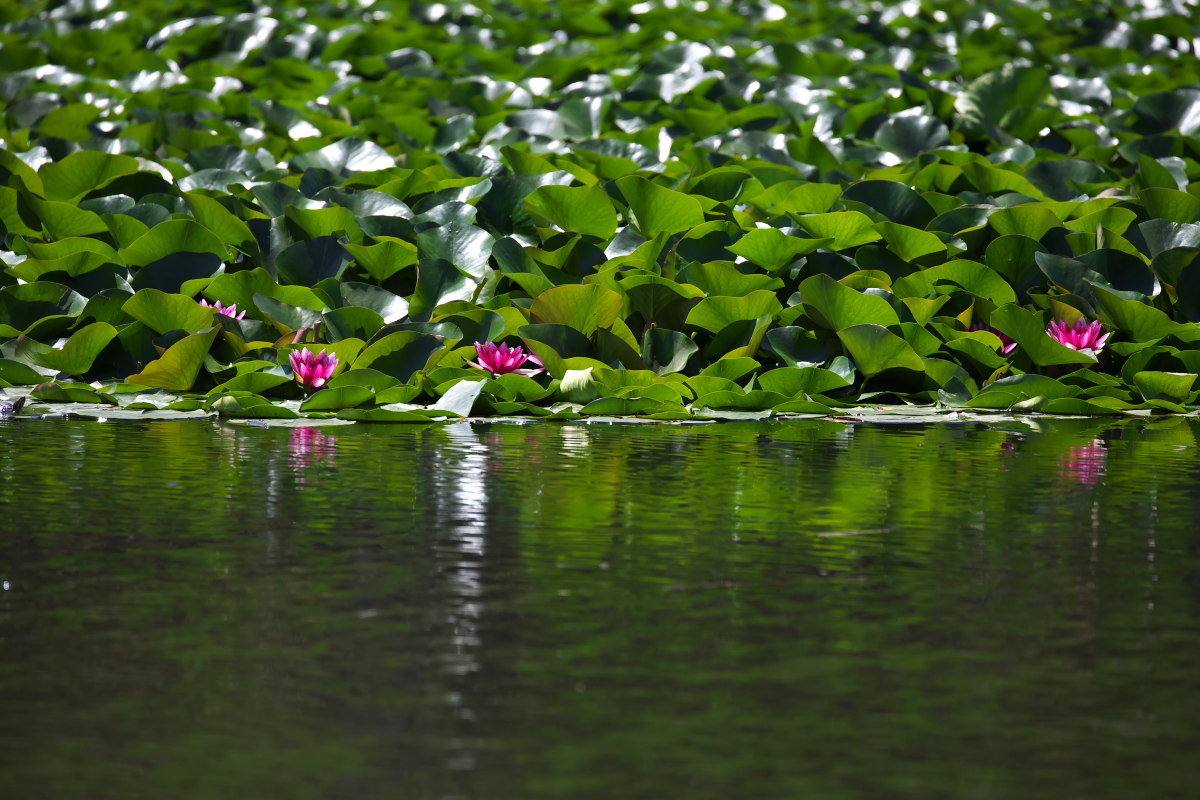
(1007, 345)
(313, 370)
(503, 359)
(1083, 335)
(704, 232)
(229, 311)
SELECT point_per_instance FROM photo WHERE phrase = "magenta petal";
(501, 359)
(1083, 335)
(313, 370)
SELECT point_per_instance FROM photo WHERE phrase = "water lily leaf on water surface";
(183, 273)
(584, 307)
(308, 262)
(772, 249)
(1140, 321)
(794, 381)
(162, 312)
(896, 202)
(385, 258)
(170, 237)
(337, 398)
(1170, 204)
(822, 208)
(82, 172)
(352, 322)
(716, 314)
(30, 306)
(399, 355)
(385, 415)
(460, 398)
(910, 244)
(55, 392)
(177, 368)
(1175, 387)
(657, 209)
(1008, 392)
(16, 373)
(254, 382)
(76, 356)
(874, 349)
(580, 209)
(846, 228)
(251, 406)
(835, 306)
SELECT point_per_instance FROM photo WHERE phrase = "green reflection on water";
(492, 611)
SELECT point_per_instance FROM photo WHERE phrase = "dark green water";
(801, 610)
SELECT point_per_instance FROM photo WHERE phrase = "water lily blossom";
(501, 359)
(1006, 343)
(1083, 335)
(313, 370)
(229, 311)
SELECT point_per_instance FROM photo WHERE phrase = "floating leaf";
(399, 354)
(337, 398)
(835, 306)
(162, 312)
(874, 349)
(846, 228)
(715, 314)
(657, 209)
(772, 249)
(1175, 387)
(577, 209)
(170, 237)
(76, 356)
(584, 307)
(176, 369)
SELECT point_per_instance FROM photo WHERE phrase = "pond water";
(790, 610)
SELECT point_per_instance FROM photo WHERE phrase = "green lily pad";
(836, 307)
(584, 307)
(337, 398)
(874, 349)
(177, 368)
(657, 209)
(578, 209)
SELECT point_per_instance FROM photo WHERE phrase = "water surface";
(792, 610)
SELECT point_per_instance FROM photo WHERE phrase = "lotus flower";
(313, 370)
(229, 311)
(501, 359)
(1008, 344)
(1083, 335)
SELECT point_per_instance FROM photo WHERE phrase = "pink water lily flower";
(1083, 335)
(501, 359)
(313, 370)
(1006, 343)
(229, 311)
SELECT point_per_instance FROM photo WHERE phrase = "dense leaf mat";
(683, 211)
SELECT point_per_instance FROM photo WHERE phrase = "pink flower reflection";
(1086, 464)
(309, 449)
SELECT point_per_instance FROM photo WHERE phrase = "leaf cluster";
(744, 212)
